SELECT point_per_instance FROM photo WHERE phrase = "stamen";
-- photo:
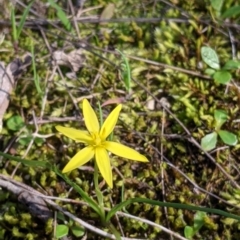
(97, 141)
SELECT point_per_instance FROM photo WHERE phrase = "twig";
(191, 139)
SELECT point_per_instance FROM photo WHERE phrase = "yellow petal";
(124, 151)
(104, 165)
(79, 159)
(90, 117)
(110, 122)
(77, 135)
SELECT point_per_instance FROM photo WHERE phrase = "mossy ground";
(162, 41)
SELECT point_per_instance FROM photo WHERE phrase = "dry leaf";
(8, 76)
(107, 13)
(73, 60)
(150, 104)
(113, 101)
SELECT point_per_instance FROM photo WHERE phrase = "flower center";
(97, 141)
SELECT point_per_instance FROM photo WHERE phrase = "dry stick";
(153, 224)
(54, 119)
(85, 224)
(74, 19)
(44, 99)
(69, 93)
(12, 141)
(94, 19)
(213, 160)
(231, 38)
(18, 188)
(188, 16)
(232, 41)
(162, 169)
(117, 218)
(29, 145)
(47, 80)
(194, 73)
(189, 179)
(191, 139)
(98, 75)
(54, 25)
(89, 9)
(171, 233)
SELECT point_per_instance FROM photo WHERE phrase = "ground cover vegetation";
(87, 87)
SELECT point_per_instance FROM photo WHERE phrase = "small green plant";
(220, 74)
(198, 222)
(62, 230)
(209, 141)
(233, 11)
(230, 12)
(35, 74)
(16, 124)
(126, 72)
(61, 15)
(16, 30)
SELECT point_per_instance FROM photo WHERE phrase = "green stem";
(98, 192)
(115, 232)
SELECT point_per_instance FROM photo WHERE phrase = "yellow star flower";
(96, 143)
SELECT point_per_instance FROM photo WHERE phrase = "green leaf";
(61, 231)
(25, 140)
(209, 141)
(210, 57)
(189, 232)
(228, 137)
(216, 4)
(39, 141)
(222, 77)
(209, 71)
(30, 163)
(2, 234)
(221, 117)
(78, 231)
(231, 12)
(61, 216)
(23, 19)
(198, 220)
(15, 123)
(61, 15)
(232, 64)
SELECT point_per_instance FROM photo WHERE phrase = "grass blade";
(23, 19)
(61, 15)
(44, 164)
(35, 75)
(126, 72)
(168, 204)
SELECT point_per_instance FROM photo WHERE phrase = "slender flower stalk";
(96, 143)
